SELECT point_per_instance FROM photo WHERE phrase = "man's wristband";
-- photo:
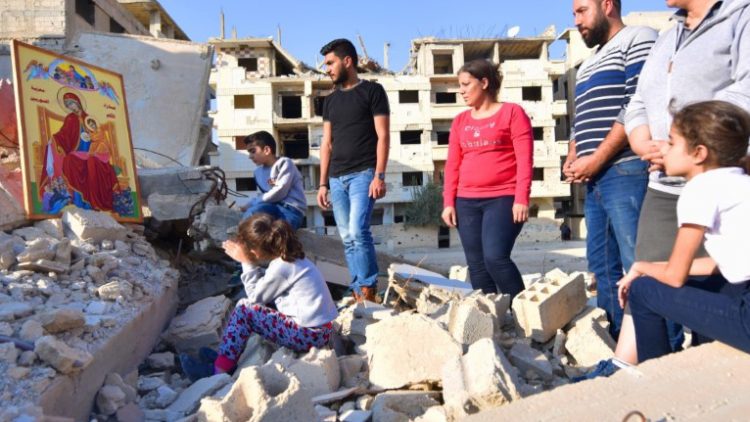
(324, 185)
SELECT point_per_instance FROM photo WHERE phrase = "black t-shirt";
(354, 139)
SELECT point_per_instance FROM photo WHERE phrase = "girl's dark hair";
(722, 127)
(484, 69)
(272, 237)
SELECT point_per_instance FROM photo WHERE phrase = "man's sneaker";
(604, 368)
(367, 293)
(195, 369)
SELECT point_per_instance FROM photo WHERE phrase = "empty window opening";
(376, 218)
(443, 64)
(244, 101)
(398, 219)
(531, 93)
(445, 98)
(538, 174)
(408, 97)
(115, 27)
(86, 9)
(328, 219)
(442, 137)
(411, 137)
(250, 64)
(538, 133)
(245, 184)
(296, 144)
(318, 102)
(412, 178)
(291, 106)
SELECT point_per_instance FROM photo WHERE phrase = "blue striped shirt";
(605, 83)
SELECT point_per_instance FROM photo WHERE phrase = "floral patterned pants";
(271, 325)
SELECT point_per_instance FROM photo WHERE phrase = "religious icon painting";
(75, 143)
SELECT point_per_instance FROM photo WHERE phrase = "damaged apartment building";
(260, 86)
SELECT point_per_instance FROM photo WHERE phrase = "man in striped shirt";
(599, 154)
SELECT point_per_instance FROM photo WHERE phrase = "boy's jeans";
(613, 205)
(278, 210)
(352, 208)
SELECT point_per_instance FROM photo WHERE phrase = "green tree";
(426, 206)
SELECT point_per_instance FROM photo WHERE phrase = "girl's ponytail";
(272, 238)
(284, 242)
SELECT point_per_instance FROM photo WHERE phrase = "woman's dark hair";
(272, 237)
(484, 69)
(261, 139)
(341, 47)
(721, 127)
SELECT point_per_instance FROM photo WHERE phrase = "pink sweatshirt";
(490, 157)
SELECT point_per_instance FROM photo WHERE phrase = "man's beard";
(341, 78)
(597, 35)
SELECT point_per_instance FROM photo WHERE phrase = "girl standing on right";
(708, 144)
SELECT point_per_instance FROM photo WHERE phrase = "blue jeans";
(613, 204)
(276, 210)
(488, 234)
(711, 307)
(352, 209)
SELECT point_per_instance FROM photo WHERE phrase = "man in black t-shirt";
(355, 151)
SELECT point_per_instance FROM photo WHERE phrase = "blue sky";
(307, 25)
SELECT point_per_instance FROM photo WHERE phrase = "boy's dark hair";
(481, 69)
(722, 127)
(274, 238)
(341, 47)
(261, 139)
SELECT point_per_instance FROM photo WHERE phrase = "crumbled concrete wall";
(166, 83)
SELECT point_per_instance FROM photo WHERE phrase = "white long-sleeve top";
(297, 289)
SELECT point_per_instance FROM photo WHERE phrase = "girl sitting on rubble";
(304, 307)
(711, 296)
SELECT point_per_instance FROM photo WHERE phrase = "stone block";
(317, 370)
(548, 305)
(470, 320)
(373, 311)
(8, 353)
(459, 272)
(256, 353)
(31, 330)
(588, 339)
(335, 396)
(402, 406)
(92, 226)
(163, 360)
(60, 356)
(200, 325)
(109, 399)
(266, 393)
(481, 379)
(61, 320)
(355, 416)
(13, 310)
(526, 358)
(44, 266)
(53, 227)
(115, 289)
(408, 349)
(350, 366)
(189, 400)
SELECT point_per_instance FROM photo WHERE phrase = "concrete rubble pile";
(72, 295)
(434, 351)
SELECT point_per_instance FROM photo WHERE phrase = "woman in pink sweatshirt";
(488, 178)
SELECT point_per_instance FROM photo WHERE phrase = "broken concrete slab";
(267, 393)
(60, 356)
(109, 399)
(481, 379)
(470, 320)
(61, 320)
(714, 389)
(395, 363)
(350, 366)
(402, 406)
(199, 326)
(164, 360)
(317, 370)
(588, 339)
(355, 416)
(373, 311)
(335, 396)
(423, 290)
(548, 305)
(257, 352)
(189, 400)
(526, 358)
(92, 226)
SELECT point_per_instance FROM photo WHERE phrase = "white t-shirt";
(719, 200)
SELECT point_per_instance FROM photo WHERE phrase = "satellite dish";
(513, 31)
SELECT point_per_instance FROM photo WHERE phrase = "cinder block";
(549, 304)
